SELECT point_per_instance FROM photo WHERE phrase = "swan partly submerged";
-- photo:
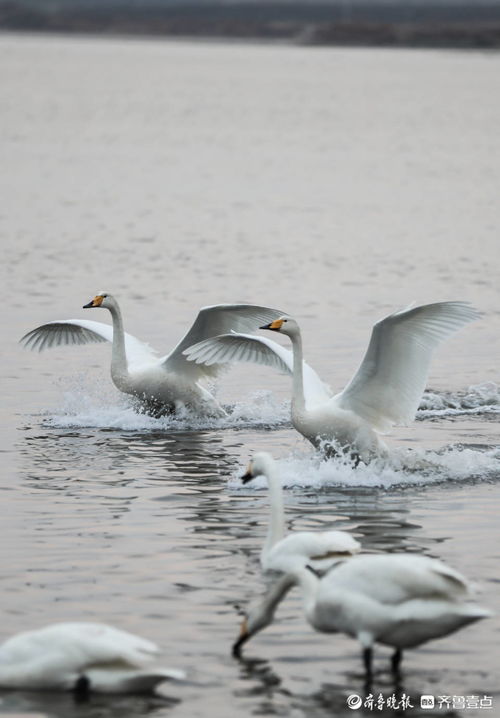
(81, 657)
(385, 390)
(280, 552)
(168, 383)
(398, 600)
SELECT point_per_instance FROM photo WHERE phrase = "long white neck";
(276, 528)
(119, 366)
(298, 399)
(309, 583)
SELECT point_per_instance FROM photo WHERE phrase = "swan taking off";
(168, 383)
(399, 600)
(81, 657)
(280, 552)
(385, 390)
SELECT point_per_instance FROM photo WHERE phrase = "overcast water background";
(338, 185)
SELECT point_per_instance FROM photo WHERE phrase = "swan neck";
(298, 399)
(119, 366)
(276, 528)
(309, 583)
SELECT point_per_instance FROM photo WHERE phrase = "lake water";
(337, 185)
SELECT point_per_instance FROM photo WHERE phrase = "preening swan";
(385, 390)
(399, 600)
(168, 383)
(81, 657)
(280, 552)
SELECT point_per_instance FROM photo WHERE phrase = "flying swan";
(385, 390)
(81, 657)
(398, 600)
(165, 384)
(280, 552)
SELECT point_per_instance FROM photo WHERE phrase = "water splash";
(402, 468)
(101, 406)
(478, 399)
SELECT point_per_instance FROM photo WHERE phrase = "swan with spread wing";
(385, 390)
(166, 383)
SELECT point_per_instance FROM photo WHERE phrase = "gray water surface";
(337, 185)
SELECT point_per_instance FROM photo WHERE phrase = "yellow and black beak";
(248, 475)
(96, 302)
(275, 325)
(243, 638)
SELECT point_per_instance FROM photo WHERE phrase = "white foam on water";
(102, 407)
(478, 399)
(403, 467)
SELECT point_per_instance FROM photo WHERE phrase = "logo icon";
(354, 702)
(427, 702)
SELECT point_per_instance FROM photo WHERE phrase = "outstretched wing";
(388, 385)
(234, 347)
(211, 321)
(83, 331)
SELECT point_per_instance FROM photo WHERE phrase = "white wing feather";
(388, 385)
(83, 331)
(309, 545)
(260, 350)
(394, 578)
(211, 321)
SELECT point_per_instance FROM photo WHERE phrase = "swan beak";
(248, 475)
(96, 302)
(274, 326)
(243, 638)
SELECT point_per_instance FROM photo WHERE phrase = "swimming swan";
(81, 657)
(167, 383)
(280, 552)
(385, 390)
(399, 600)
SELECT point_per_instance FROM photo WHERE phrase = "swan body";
(399, 600)
(168, 383)
(84, 657)
(385, 390)
(280, 552)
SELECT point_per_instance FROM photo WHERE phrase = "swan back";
(56, 655)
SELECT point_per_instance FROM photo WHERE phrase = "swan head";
(284, 325)
(256, 619)
(261, 464)
(102, 299)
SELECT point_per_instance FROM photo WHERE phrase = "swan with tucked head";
(281, 551)
(385, 390)
(166, 383)
(81, 657)
(398, 600)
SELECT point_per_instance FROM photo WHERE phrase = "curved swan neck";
(298, 399)
(309, 583)
(276, 528)
(119, 366)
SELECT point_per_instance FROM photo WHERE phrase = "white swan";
(385, 390)
(399, 600)
(167, 383)
(280, 552)
(81, 657)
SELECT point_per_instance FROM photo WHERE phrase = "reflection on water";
(61, 705)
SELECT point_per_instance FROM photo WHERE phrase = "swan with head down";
(168, 383)
(81, 657)
(398, 600)
(385, 390)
